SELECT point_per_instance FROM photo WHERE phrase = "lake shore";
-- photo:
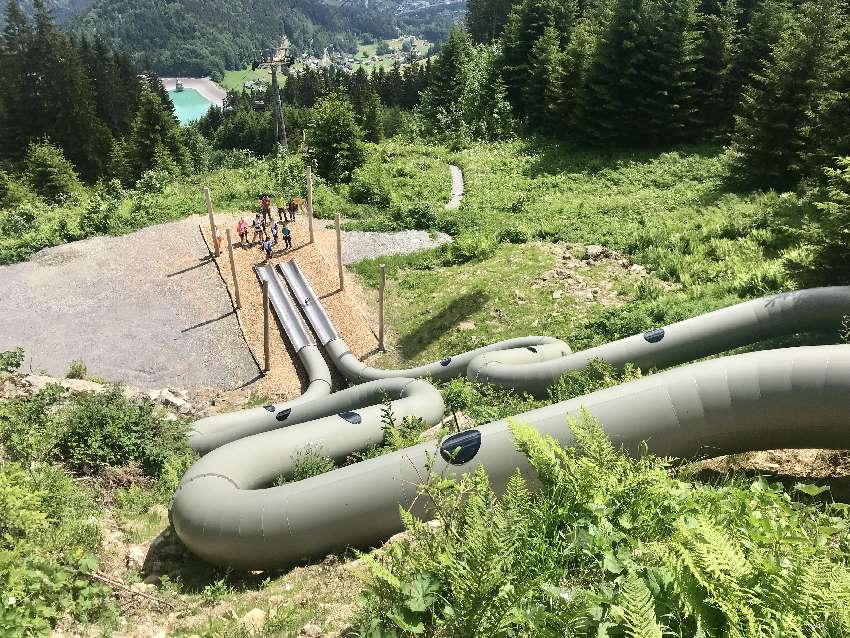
(206, 87)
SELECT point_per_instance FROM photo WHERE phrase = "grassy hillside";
(585, 247)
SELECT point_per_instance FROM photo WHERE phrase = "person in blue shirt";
(287, 237)
(267, 246)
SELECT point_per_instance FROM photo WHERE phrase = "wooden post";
(266, 324)
(381, 308)
(212, 221)
(310, 200)
(339, 252)
(233, 270)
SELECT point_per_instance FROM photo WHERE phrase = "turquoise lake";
(189, 105)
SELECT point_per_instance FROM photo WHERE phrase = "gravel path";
(357, 245)
(457, 188)
(148, 309)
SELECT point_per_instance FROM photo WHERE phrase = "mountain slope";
(200, 37)
(63, 10)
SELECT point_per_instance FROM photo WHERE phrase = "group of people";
(267, 230)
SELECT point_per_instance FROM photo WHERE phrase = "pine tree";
(373, 119)
(395, 85)
(715, 95)
(525, 26)
(664, 82)
(768, 21)
(448, 72)
(544, 84)
(576, 61)
(779, 111)
(360, 91)
(607, 110)
(61, 97)
(485, 19)
(15, 126)
(154, 142)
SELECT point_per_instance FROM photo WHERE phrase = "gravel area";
(149, 309)
(357, 245)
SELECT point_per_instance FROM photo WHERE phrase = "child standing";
(287, 237)
(242, 230)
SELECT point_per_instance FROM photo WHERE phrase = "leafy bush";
(77, 370)
(100, 430)
(598, 375)
(419, 216)
(11, 360)
(465, 248)
(47, 538)
(611, 546)
(515, 234)
(13, 191)
(50, 174)
(306, 463)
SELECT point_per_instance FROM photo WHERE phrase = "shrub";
(77, 370)
(306, 463)
(20, 220)
(100, 430)
(465, 248)
(13, 191)
(515, 234)
(418, 216)
(11, 360)
(47, 537)
(51, 175)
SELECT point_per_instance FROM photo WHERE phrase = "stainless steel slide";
(797, 397)
(212, 432)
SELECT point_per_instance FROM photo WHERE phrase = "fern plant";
(611, 546)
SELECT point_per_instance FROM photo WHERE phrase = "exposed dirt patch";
(826, 467)
(588, 273)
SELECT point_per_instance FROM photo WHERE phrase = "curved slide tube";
(223, 515)
(212, 432)
(450, 367)
(797, 397)
(817, 309)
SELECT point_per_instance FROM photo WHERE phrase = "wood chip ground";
(351, 310)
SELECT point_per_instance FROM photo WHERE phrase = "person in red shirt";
(267, 209)
(242, 230)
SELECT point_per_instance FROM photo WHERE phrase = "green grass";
(440, 311)
(386, 61)
(396, 176)
(667, 211)
(235, 80)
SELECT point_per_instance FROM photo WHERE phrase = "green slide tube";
(224, 510)
(813, 310)
(358, 372)
(224, 513)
